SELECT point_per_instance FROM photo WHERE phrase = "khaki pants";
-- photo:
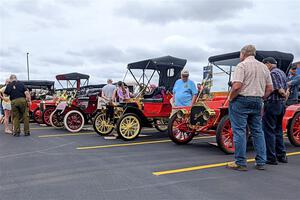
(20, 109)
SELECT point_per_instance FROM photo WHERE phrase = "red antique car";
(209, 116)
(80, 105)
(40, 90)
(291, 120)
(147, 108)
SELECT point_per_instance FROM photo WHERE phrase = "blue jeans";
(272, 127)
(243, 112)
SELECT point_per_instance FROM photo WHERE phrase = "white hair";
(249, 50)
(13, 77)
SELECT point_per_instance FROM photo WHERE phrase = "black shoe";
(260, 167)
(283, 159)
(27, 134)
(270, 162)
(16, 134)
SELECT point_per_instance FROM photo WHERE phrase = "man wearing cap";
(184, 91)
(250, 83)
(293, 84)
(274, 109)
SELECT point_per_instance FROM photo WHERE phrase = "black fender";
(145, 122)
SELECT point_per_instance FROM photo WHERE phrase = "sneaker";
(26, 134)
(271, 162)
(237, 167)
(260, 167)
(283, 159)
(7, 131)
(16, 134)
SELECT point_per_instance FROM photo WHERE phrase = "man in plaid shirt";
(274, 110)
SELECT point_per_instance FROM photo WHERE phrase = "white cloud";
(100, 37)
(169, 11)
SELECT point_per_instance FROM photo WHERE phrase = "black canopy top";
(93, 86)
(39, 84)
(72, 76)
(159, 63)
(232, 59)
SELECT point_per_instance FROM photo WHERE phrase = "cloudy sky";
(99, 37)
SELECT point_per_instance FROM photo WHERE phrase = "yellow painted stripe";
(66, 134)
(42, 128)
(134, 143)
(201, 167)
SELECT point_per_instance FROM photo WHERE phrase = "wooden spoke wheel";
(224, 136)
(102, 124)
(37, 116)
(293, 131)
(161, 125)
(178, 130)
(57, 119)
(46, 115)
(74, 121)
(129, 126)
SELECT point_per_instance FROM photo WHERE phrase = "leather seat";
(159, 100)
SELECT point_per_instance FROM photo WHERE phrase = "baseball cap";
(293, 67)
(185, 72)
(270, 60)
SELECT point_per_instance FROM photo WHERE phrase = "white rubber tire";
(66, 118)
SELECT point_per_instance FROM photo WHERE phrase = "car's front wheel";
(129, 126)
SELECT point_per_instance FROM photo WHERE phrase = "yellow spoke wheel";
(102, 125)
(129, 126)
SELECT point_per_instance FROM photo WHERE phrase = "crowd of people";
(15, 101)
(259, 95)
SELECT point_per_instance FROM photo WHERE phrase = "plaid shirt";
(279, 81)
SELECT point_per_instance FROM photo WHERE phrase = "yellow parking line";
(200, 167)
(42, 128)
(66, 134)
(134, 143)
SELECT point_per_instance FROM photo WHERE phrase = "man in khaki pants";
(20, 98)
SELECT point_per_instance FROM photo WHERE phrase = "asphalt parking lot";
(54, 164)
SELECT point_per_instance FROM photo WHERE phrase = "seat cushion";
(158, 100)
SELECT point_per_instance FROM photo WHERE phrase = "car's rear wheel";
(102, 124)
(37, 116)
(74, 121)
(46, 115)
(161, 125)
(224, 136)
(129, 126)
(178, 130)
(57, 119)
(293, 131)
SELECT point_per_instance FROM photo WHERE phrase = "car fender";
(289, 114)
(145, 122)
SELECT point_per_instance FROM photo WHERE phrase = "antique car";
(78, 109)
(70, 85)
(148, 107)
(209, 115)
(40, 90)
(291, 120)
